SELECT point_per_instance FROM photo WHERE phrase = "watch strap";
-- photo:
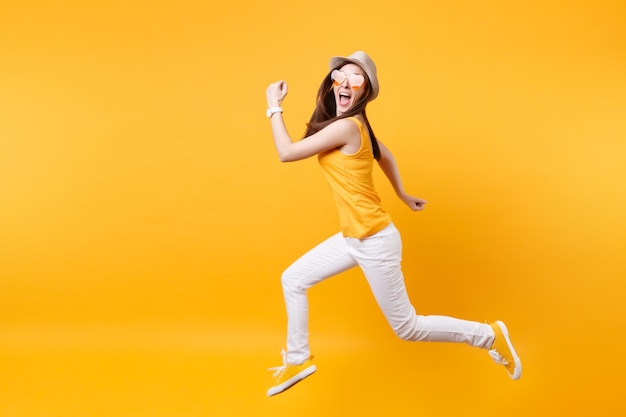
(272, 110)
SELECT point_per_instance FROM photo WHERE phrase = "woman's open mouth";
(344, 99)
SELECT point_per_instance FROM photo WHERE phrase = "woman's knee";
(407, 329)
(289, 281)
(403, 333)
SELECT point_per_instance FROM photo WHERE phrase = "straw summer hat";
(363, 60)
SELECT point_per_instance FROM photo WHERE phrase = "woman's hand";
(414, 203)
(275, 93)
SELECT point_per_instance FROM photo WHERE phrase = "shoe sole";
(517, 372)
(291, 381)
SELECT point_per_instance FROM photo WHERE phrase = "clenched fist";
(275, 93)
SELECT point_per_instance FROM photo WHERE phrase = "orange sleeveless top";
(352, 184)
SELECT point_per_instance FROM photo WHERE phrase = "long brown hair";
(326, 109)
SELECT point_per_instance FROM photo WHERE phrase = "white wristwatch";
(273, 110)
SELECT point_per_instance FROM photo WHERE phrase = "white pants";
(379, 257)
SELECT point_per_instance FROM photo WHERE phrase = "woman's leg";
(380, 256)
(325, 260)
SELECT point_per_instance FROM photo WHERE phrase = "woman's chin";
(341, 110)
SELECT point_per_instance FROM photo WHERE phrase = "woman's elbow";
(288, 157)
(285, 158)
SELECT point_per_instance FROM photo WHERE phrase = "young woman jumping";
(340, 134)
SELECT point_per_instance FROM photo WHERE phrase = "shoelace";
(280, 369)
(497, 357)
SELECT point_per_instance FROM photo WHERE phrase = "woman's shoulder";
(349, 123)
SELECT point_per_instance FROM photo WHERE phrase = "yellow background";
(145, 218)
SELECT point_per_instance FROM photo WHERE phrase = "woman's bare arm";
(389, 166)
